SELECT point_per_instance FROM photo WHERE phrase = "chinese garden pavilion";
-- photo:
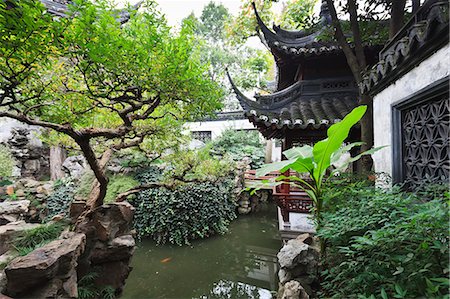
(315, 87)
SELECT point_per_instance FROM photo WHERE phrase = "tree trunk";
(367, 133)
(415, 6)
(397, 13)
(98, 192)
(57, 157)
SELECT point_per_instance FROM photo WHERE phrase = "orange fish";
(167, 259)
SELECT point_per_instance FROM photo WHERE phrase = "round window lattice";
(426, 130)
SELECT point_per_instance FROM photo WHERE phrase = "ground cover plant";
(384, 243)
(7, 165)
(37, 237)
(58, 202)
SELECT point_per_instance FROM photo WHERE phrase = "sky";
(176, 10)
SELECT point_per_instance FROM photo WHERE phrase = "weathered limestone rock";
(11, 230)
(299, 260)
(11, 211)
(110, 243)
(292, 290)
(113, 220)
(74, 166)
(31, 155)
(296, 254)
(47, 272)
(7, 257)
(120, 248)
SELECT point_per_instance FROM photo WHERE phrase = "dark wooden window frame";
(203, 136)
(426, 94)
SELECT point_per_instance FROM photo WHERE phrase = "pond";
(239, 264)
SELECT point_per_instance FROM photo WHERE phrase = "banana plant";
(316, 160)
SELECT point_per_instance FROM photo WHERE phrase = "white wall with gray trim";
(435, 67)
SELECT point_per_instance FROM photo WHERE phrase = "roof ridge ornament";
(325, 16)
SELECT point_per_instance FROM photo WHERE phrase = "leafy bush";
(184, 213)
(196, 166)
(8, 162)
(85, 184)
(58, 202)
(37, 237)
(238, 145)
(384, 244)
(118, 184)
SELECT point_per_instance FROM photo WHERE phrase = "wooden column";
(268, 156)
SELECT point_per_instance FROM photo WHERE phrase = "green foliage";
(298, 14)
(212, 21)
(150, 174)
(58, 202)
(117, 184)
(37, 237)
(384, 243)
(185, 212)
(316, 160)
(238, 145)
(8, 162)
(88, 290)
(196, 165)
(140, 80)
(85, 184)
(248, 66)
(244, 25)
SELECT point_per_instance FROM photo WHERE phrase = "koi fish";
(167, 259)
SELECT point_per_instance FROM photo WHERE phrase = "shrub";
(59, 201)
(37, 237)
(196, 166)
(238, 145)
(118, 184)
(85, 184)
(384, 244)
(8, 162)
(184, 213)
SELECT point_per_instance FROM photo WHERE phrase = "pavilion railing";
(289, 198)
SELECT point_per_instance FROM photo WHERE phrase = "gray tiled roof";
(301, 42)
(312, 104)
(426, 31)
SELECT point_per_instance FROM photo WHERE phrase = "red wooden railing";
(288, 198)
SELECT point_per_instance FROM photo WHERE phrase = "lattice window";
(203, 136)
(421, 153)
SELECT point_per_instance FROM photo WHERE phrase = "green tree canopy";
(97, 81)
(248, 66)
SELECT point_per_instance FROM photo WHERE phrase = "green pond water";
(239, 264)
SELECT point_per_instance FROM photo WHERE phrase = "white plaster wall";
(428, 71)
(218, 126)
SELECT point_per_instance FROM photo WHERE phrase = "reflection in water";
(240, 264)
